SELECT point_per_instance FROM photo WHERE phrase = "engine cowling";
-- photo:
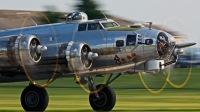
(20, 50)
(78, 55)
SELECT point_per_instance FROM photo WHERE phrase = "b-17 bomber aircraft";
(82, 48)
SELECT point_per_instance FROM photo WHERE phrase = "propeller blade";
(184, 45)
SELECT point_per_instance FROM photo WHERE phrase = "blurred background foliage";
(51, 15)
(90, 7)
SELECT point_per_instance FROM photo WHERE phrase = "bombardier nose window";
(163, 44)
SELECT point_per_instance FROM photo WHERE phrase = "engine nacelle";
(78, 55)
(20, 50)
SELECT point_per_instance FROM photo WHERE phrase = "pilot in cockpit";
(94, 26)
(162, 45)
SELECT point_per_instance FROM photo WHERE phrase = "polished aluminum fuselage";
(101, 41)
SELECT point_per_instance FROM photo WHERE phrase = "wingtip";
(194, 43)
(185, 45)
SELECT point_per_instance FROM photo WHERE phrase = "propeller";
(176, 77)
(36, 49)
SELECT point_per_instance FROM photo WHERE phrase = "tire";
(34, 98)
(107, 99)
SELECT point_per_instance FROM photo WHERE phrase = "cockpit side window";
(82, 27)
(94, 26)
(131, 40)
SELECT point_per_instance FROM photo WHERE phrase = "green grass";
(67, 96)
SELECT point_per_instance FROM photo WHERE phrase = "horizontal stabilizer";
(185, 45)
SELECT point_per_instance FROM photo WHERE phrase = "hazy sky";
(185, 12)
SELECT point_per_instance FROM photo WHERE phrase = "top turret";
(76, 17)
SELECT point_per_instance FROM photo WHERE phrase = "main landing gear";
(105, 98)
(101, 98)
(34, 98)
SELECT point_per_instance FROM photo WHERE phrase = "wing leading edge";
(184, 45)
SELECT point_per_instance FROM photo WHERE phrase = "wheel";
(106, 101)
(34, 98)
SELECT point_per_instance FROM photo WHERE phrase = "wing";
(184, 45)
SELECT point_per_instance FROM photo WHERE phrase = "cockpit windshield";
(109, 24)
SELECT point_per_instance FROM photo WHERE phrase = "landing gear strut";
(34, 98)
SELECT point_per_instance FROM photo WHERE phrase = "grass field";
(67, 96)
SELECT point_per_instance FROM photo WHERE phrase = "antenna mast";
(33, 21)
(150, 25)
(28, 13)
(104, 14)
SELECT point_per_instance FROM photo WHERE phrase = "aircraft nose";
(165, 44)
